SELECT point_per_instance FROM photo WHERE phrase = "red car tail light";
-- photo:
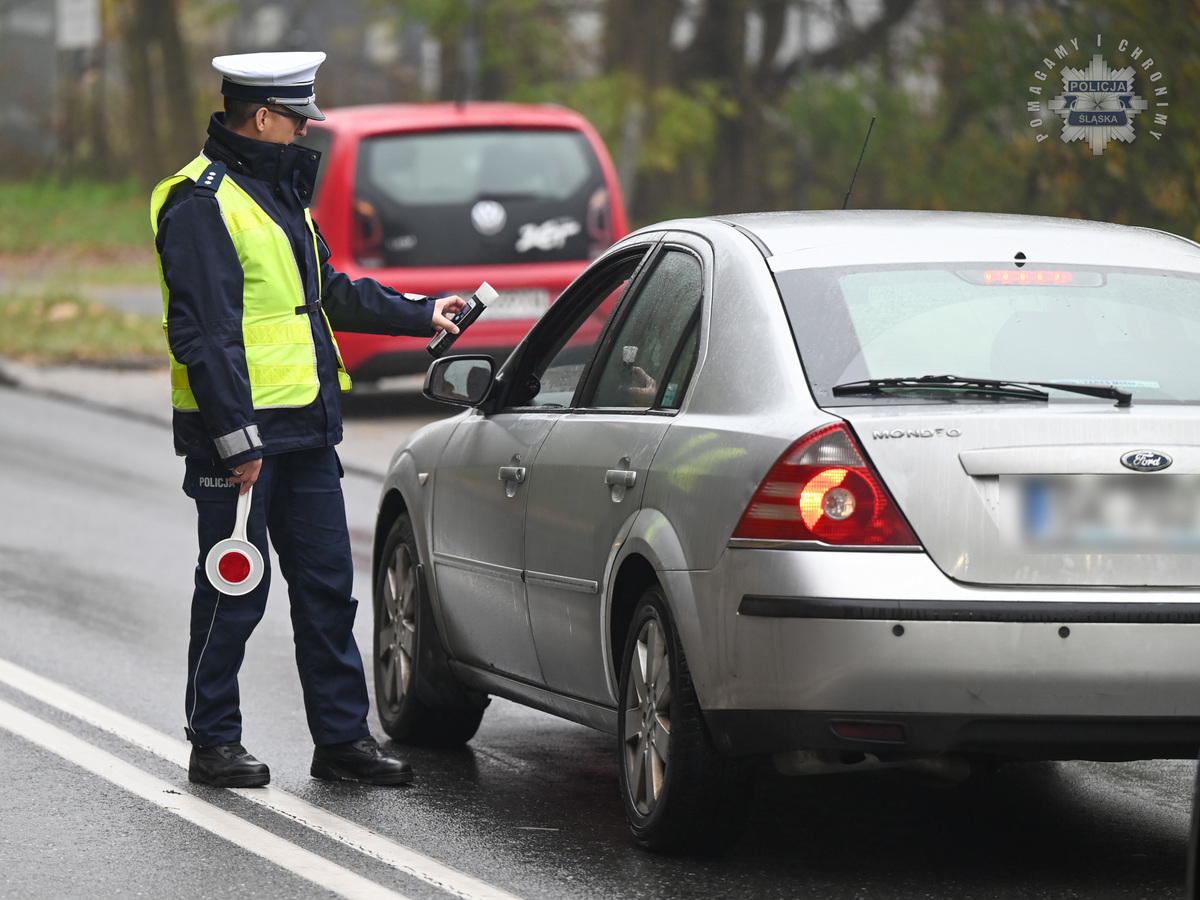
(599, 223)
(368, 236)
(823, 489)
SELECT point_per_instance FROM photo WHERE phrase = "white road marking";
(234, 829)
(300, 811)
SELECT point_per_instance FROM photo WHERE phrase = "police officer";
(250, 302)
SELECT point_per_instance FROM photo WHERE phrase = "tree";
(161, 117)
(728, 57)
(496, 49)
(717, 106)
(975, 148)
(686, 92)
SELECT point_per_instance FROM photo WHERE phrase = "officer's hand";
(443, 309)
(246, 474)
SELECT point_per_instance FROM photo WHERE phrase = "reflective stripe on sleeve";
(245, 438)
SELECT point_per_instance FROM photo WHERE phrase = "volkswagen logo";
(1145, 460)
(488, 217)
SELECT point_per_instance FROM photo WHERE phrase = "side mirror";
(460, 380)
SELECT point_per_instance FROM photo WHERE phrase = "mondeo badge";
(1145, 460)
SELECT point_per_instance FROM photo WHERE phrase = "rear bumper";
(1061, 611)
(746, 732)
(782, 643)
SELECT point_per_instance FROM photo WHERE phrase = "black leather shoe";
(360, 760)
(227, 765)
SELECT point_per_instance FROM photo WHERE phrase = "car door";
(482, 478)
(589, 474)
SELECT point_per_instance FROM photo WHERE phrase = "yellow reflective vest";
(280, 353)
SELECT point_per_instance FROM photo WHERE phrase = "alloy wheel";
(648, 717)
(398, 625)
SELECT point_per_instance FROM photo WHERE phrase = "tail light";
(368, 236)
(823, 489)
(599, 223)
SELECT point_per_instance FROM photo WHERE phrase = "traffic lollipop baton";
(234, 566)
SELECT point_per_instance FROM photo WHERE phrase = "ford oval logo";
(1145, 460)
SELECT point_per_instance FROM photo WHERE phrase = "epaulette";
(210, 179)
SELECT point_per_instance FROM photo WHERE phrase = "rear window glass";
(479, 196)
(1134, 329)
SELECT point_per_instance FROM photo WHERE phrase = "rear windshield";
(470, 197)
(1134, 329)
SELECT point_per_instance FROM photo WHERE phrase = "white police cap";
(280, 79)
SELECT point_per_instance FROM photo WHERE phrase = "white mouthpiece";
(486, 294)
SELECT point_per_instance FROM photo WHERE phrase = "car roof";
(800, 239)
(389, 118)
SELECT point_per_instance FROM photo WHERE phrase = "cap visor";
(308, 110)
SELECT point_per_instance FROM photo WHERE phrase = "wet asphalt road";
(96, 547)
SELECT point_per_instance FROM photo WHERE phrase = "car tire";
(407, 654)
(680, 794)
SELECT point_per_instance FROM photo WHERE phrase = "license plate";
(1102, 513)
(524, 303)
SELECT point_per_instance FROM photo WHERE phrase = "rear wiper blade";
(941, 383)
(981, 386)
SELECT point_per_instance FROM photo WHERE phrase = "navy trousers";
(298, 502)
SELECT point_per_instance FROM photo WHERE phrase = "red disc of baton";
(234, 566)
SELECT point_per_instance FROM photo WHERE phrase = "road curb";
(136, 393)
(144, 395)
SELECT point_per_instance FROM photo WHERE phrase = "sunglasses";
(287, 114)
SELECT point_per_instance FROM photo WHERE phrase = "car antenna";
(860, 159)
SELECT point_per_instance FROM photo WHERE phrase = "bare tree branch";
(857, 45)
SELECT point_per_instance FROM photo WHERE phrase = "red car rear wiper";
(981, 386)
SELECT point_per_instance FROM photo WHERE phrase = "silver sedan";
(834, 490)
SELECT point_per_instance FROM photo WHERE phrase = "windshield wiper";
(510, 197)
(993, 386)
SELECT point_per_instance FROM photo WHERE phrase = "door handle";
(620, 477)
(513, 473)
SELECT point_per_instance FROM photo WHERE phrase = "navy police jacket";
(204, 282)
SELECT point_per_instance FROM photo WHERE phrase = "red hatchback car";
(436, 198)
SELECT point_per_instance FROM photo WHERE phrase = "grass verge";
(87, 217)
(61, 328)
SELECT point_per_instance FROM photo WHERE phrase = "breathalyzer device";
(479, 301)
